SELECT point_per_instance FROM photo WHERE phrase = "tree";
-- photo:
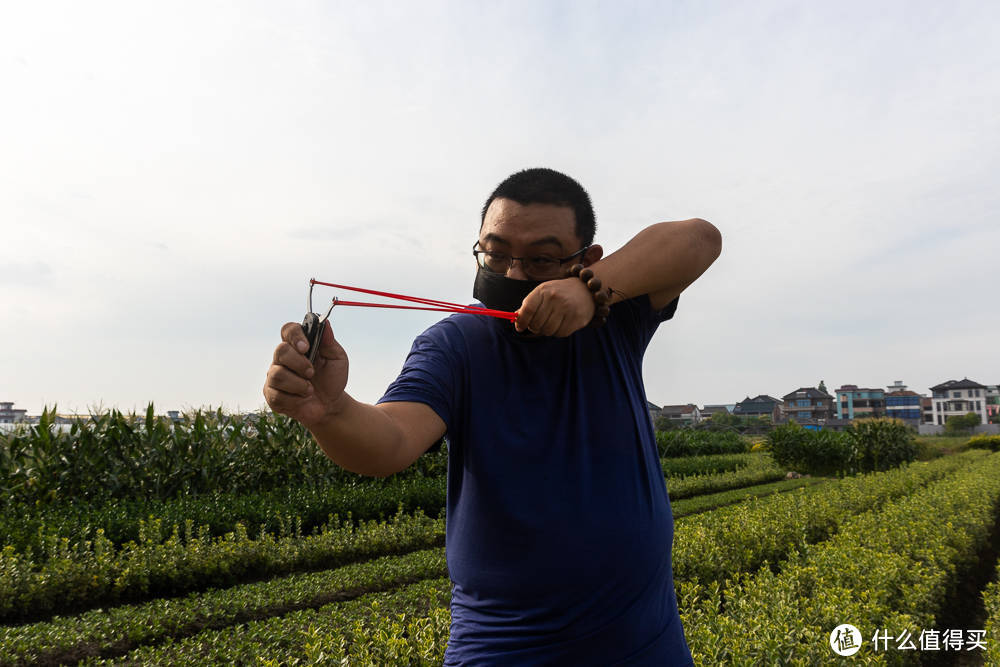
(959, 424)
(822, 387)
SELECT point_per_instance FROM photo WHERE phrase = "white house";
(956, 398)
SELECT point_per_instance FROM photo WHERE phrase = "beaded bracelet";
(601, 298)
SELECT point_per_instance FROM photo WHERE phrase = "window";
(803, 415)
(979, 407)
(956, 394)
(802, 403)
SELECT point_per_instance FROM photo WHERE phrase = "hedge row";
(887, 570)
(707, 465)
(741, 538)
(31, 528)
(867, 445)
(115, 631)
(991, 602)
(409, 626)
(985, 441)
(713, 501)
(279, 511)
(691, 442)
(762, 470)
(96, 573)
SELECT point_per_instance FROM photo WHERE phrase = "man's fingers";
(293, 334)
(295, 361)
(282, 379)
(553, 324)
(282, 402)
(529, 310)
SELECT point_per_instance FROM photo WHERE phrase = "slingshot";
(313, 324)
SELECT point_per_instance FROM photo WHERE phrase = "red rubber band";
(438, 306)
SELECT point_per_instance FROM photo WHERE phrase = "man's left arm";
(661, 261)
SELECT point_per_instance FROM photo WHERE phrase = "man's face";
(529, 230)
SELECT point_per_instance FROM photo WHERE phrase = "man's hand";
(294, 387)
(556, 308)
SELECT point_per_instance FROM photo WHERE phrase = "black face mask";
(499, 292)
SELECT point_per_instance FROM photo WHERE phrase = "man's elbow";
(709, 236)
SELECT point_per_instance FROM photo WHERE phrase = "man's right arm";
(377, 440)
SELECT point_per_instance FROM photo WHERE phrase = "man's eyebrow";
(542, 241)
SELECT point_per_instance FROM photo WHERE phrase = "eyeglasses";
(539, 267)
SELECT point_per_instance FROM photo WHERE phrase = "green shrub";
(991, 442)
(881, 444)
(867, 445)
(690, 442)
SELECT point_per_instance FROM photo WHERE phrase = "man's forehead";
(507, 221)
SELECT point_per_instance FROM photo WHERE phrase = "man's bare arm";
(661, 260)
(378, 440)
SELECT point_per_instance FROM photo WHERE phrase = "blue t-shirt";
(558, 522)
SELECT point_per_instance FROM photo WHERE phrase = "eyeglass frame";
(561, 261)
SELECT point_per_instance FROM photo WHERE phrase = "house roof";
(854, 387)
(905, 392)
(679, 409)
(651, 406)
(807, 392)
(958, 384)
(760, 398)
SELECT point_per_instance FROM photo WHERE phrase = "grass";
(932, 446)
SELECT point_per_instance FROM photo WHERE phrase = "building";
(709, 410)
(808, 403)
(8, 415)
(926, 410)
(759, 406)
(683, 415)
(854, 402)
(901, 403)
(955, 398)
(992, 401)
(654, 411)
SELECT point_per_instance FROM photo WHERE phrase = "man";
(558, 526)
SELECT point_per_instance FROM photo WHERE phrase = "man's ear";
(593, 255)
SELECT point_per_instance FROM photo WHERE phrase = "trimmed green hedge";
(985, 441)
(741, 538)
(95, 573)
(867, 445)
(690, 442)
(891, 569)
(115, 631)
(408, 626)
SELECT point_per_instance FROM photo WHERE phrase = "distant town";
(816, 407)
(813, 407)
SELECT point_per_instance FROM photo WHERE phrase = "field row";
(301, 510)
(112, 632)
(370, 630)
(95, 573)
(890, 569)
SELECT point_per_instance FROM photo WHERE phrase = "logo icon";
(845, 639)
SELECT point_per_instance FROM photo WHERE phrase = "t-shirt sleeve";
(638, 319)
(430, 376)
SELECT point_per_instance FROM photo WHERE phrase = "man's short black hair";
(547, 186)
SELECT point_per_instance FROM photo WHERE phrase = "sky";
(173, 174)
